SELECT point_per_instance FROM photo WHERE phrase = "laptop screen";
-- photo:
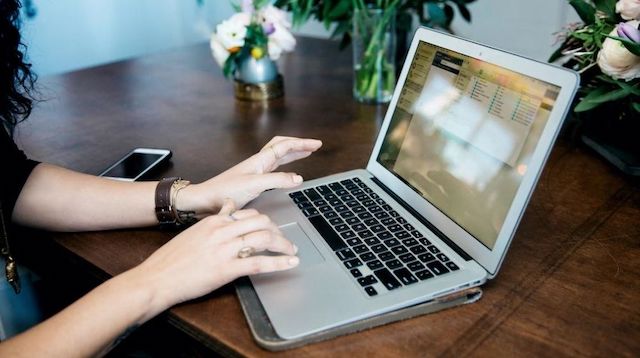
(463, 133)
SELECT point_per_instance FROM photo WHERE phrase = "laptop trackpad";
(307, 251)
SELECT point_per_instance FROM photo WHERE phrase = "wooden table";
(570, 284)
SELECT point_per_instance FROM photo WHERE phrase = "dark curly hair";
(16, 79)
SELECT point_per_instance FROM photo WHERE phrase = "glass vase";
(374, 49)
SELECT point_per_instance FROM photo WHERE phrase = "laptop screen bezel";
(567, 80)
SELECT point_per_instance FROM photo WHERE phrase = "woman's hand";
(245, 181)
(205, 256)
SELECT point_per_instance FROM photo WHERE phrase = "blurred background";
(66, 35)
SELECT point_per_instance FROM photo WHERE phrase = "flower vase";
(374, 43)
(257, 79)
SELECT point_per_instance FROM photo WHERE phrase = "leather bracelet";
(183, 217)
(164, 210)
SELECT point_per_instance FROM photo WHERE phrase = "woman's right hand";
(205, 256)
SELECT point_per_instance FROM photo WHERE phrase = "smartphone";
(136, 164)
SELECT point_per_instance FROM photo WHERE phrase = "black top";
(16, 168)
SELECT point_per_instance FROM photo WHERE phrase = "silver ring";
(246, 251)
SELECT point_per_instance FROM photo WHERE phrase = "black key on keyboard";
(330, 197)
(296, 194)
(357, 180)
(300, 199)
(410, 242)
(348, 234)
(312, 194)
(345, 254)
(392, 243)
(352, 263)
(354, 241)
(395, 227)
(385, 206)
(386, 256)
(356, 273)
(310, 212)
(305, 205)
(374, 209)
(385, 235)
(330, 214)
(424, 274)
(381, 215)
(335, 202)
(365, 215)
(335, 221)
(359, 209)
(387, 279)
(341, 192)
(394, 214)
(371, 241)
(326, 231)
(361, 197)
(426, 257)
(452, 266)
(375, 264)
(368, 203)
(442, 257)
(346, 182)
(325, 209)
(319, 203)
(377, 228)
(341, 227)
(403, 235)
(364, 234)
(367, 256)
(424, 241)
(418, 249)
(405, 276)
(437, 267)
(357, 192)
(374, 195)
(433, 249)
(353, 221)
(335, 186)
(406, 258)
(370, 291)
(403, 221)
(394, 264)
(382, 202)
(360, 249)
(358, 227)
(388, 221)
(347, 214)
(415, 266)
(378, 248)
(416, 234)
(367, 280)
(407, 227)
(371, 222)
(399, 250)
(341, 208)
(323, 190)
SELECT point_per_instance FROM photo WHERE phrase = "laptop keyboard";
(372, 240)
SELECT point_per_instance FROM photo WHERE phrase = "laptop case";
(266, 337)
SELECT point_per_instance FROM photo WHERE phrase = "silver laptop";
(462, 145)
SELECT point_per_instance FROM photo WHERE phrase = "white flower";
(272, 15)
(220, 54)
(616, 61)
(629, 9)
(232, 32)
(280, 40)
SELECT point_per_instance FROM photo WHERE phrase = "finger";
(258, 183)
(247, 225)
(228, 207)
(292, 157)
(262, 264)
(291, 145)
(266, 241)
(245, 213)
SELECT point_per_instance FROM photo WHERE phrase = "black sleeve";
(16, 168)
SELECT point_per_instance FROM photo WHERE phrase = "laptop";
(463, 142)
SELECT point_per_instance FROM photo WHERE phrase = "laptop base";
(267, 338)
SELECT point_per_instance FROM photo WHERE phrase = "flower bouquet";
(605, 50)
(247, 44)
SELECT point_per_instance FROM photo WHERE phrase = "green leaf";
(464, 12)
(436, 15)
(600, 95)
(341, 9)
(636, 106)
(608, 7)
(556, 54)
(633, 47)
(448, 12)
(586, 12)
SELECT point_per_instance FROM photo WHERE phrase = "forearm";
(92, 324)
(59, 199)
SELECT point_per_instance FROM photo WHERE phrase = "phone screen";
(134, 164)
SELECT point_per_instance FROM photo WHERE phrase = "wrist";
(143, 293)
(192, 198)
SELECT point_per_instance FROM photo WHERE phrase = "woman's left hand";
(248, 179)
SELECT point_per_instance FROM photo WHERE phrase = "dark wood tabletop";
(570, 284)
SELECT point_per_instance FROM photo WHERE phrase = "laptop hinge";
(424, 221)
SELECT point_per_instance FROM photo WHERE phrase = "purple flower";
(627, 31)
(268, 28)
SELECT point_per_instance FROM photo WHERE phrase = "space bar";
(327, 232)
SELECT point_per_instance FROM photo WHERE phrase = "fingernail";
(294, 261)
(297, 179)
(295, 249)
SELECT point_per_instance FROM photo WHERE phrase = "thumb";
(261, 182)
